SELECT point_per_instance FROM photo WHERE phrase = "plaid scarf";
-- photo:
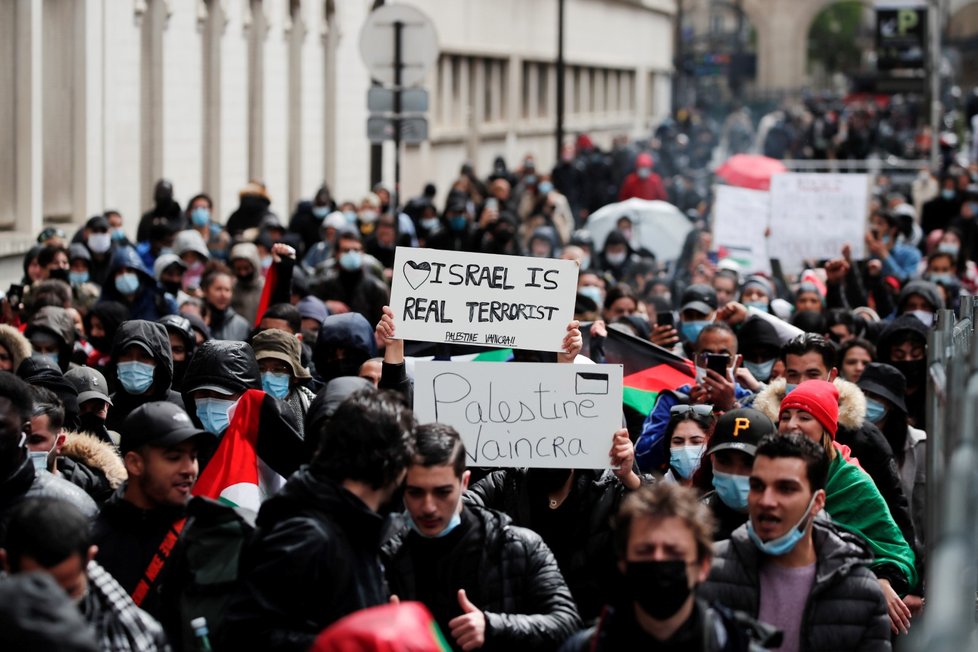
(119, 625)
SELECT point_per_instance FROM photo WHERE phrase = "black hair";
(47, 403)
(204, 196)
(286, 312)
(18, 393)
(795, 445)
(212, 271)
(438, 444)
(47, 254)
(47, 530)
(369, 439)
(810, 321)
(620, 291)
(718, 327)
(856, 343)
(840, 317)
(808, 342)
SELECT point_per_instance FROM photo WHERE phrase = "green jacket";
(854, 502)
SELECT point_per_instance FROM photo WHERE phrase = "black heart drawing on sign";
(416, 273)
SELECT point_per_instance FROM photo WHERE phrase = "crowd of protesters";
(776, 501)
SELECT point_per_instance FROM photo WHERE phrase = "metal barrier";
(901, 170)
(949, 623)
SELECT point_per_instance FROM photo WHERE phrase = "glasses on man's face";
(697, 410)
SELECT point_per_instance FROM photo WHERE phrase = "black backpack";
(202, 575)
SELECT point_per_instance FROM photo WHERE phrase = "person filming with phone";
(716, 359)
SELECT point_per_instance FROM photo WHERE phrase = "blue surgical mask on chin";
(276, 384)
(690, 330)
(757, 305)
(684, 460)
(453, 523)
(875, 410)
(732, 489)
(760, 370)
(787, 541)
(213, 414)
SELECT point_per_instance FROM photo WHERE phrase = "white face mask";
(99, 243)
(925, 316)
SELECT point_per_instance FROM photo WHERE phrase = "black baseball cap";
(740, 430)
(89, 383)
(159, 424)
(886, 381)
(699, 297)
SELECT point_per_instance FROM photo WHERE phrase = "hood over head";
(926, 289)
(55, 321)
(16, 344)
(351, 332)
(898, 329)
(852, 402)
(151, 337)
(110, 314)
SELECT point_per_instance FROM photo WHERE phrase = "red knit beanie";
(818, 398)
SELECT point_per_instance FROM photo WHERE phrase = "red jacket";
(649, 188)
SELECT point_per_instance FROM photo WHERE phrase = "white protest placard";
(524, 414)
(740, 220)
(482, 299)
(814, 215)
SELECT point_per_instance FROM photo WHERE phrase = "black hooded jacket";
(314, 559)
(57, 323)
(351, 332)
(154, 337)
(915, 371)
(232, 365)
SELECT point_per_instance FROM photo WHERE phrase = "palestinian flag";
(648, 369)
(232, 475)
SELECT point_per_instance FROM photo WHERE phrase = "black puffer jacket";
(845, 609)
(154, 337)
(24, 482)
(507, 571)
(585, 553)
(314, 559)
(864, 439)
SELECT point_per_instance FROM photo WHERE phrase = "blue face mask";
(351, 216)
(686, 459)
(127, 283)
(760, 370)
(947, 194)
(276, 384)
(136, 377)
(320, 212)
(351, 260)
(732, 489)
(53, 357)
(759, 305)
(430, 224)
(545, 187)
(213, 414)
(77, 278)
(948, 248)
(690, 330)
(875, 410)
(943, 277)
(787, 541)
(458, 222)
(118, 234)
(593, 293)
(200, 216)
(453, 523)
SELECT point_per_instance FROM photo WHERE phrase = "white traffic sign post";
(399, 46)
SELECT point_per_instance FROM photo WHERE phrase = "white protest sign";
(740, 220)
(482, 299)
(524, 414)
(814, 215)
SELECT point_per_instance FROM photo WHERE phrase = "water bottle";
(199, 625)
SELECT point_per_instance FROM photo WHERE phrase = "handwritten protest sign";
(524, 414)
(814, 215)
(481, 299)
(740, 219)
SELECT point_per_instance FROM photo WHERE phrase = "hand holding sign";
(482, 299)
(622, 455)
(393, 348)
(572, 344)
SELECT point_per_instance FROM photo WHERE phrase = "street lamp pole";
(559, 135)
(935, 23)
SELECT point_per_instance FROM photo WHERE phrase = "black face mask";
(90, 422)
(171, 286)
(659, 587)
(915, 371)
(502, 236)
(59, 273)
(309, 336)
